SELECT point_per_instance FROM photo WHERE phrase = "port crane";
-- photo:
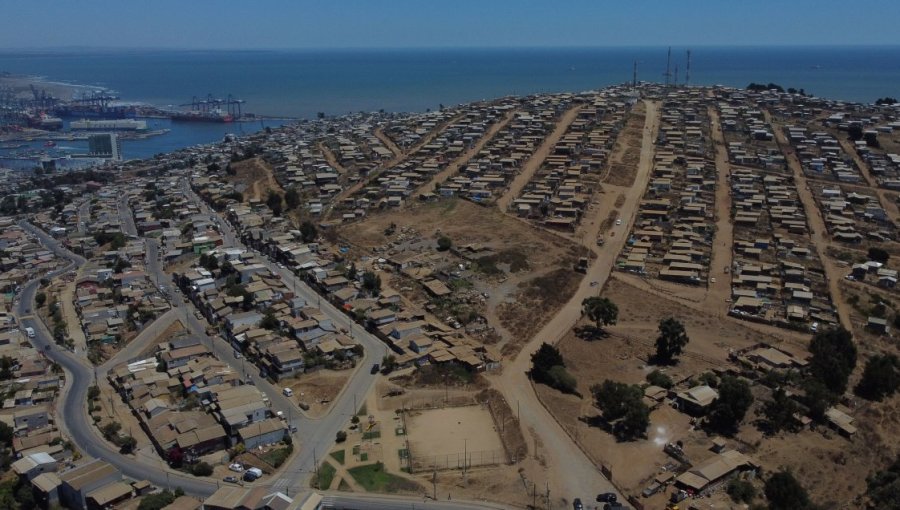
(210, 103)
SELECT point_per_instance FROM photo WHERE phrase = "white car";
(619, 221)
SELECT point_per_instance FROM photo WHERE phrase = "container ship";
(109, 125)
(200, 116)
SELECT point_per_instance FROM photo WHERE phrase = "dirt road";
(555, 447)
(464, 158)
(889, 206)
(331, 159)
(817, 232)
(720, 290)
(386, 140)
(537, 159)
(400, 155)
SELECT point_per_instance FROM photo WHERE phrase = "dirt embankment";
(254, 178)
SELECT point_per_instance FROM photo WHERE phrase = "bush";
(657, 378)
(881, 377)
(560, 378)
(201, 469)
(729, 409)
(341, 436)
(833, 358)
(784, 492)
(444, 243)
(741, 491)
(624, 404)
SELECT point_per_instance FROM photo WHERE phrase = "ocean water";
(303, 82)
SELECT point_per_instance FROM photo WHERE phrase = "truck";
(29, 332)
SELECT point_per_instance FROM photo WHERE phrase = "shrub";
(201, 469)
(657, 378)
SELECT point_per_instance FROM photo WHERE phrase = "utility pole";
(316, 466)
(668, 66)
(533, 495)
(548, 495)
(434, 483)
(634, 76)
(687, 74)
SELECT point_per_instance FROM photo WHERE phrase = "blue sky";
(260, 24)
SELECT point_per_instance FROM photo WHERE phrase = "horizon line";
(78, 48)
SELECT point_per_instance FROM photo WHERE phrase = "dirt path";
(557, 448)
(889, 206)
(464, 158)
(400, 155)
(720, 290)
(817, 230)
(537, 159)
(386, 140)
(73, 323)
(330, 158)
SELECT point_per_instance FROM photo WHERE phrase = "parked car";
(606, 497)
(375, 368)
(287, 392)
(230, 479)
(576, 504)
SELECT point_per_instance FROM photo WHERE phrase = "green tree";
(671, 340)
(784, 492)
(6, 368)
(388, 363)
(274, 201)
(624, 402)
(741, 491)
(444, 243)
(269, 321)
(201, 469)
(729, 409)
(560, 378)
(157, 501)
(39, 299)
(371, 282)
(817, 399)
(779, 413)
(657, 378)
(833, 358)
(879, 255)
(291, 198)
(884, 487)
(542, 360)
(601, 310)
(6, 435)
(308, 232)
(127, 444)
(880, 378)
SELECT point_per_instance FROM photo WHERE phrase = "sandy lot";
(520, 302)
(318, 389)
(447, 435)
(254, 178)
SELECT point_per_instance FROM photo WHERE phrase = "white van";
(288, 392)
(29, 332)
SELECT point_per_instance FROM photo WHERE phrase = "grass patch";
(364, 457)
(374, 478)
(277, 457)
(375, 434)
(338, 456)
(326, 475)
(344, 486)
(363, 411)
(356, 450)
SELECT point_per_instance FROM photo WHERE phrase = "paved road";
(316, 435)
(375, 502)
(79, 375)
